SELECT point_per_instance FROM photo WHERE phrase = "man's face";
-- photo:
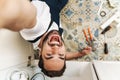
(53, 52)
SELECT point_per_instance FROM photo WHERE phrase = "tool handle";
(106, 29)
(85, 34)
(105, 48)
(91, 36)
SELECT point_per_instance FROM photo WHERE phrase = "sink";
(107, 70)
(76, 70)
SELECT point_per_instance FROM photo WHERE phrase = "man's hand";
(86, 51)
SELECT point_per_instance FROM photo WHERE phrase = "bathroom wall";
(13, 49)
(79, 15)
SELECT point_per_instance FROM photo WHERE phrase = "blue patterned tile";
(97, 19)
(80, 20)
(69, 37)
(80, 4)
(69, 13)
(96, 3)
(96, 33)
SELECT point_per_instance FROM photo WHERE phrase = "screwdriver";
(105, 44)
(105, 48)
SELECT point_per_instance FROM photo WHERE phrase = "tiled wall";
(95, 15)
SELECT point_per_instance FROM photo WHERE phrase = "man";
(33, 20)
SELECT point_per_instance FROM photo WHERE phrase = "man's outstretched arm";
(75, 55)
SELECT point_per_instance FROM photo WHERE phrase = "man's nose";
(55, 49)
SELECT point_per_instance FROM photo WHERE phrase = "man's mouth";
(55, 40)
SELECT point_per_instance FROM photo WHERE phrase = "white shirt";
(43, 21)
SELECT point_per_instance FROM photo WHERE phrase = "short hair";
(51, 73)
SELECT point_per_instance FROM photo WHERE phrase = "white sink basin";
(107, 70)
(77, 71)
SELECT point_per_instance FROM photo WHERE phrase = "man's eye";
(48, 54)
(61, 54)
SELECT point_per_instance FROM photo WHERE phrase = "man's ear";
(40, 52)
(40, 45)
